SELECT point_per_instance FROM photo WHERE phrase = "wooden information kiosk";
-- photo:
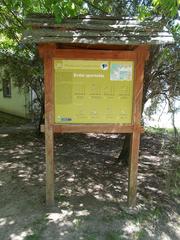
(93, 81)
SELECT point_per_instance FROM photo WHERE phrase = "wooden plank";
(133, 168)
(49, 117)
(49, 151)
(96, 47)
(93, 54)
(93, 128)
(142, 55)
(99, 26)
(46, 50)
(76, 23)
(102, 17)
(87, 53)
(99, 40)
(46, 32)
(85, 19)
(43, 16)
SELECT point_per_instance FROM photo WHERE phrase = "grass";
(91, 238)
(113, 236)
(142, 234)
(177, 149)
(154, 130)
(149, 215)
(174, 144)
(173, 182)
(37, 227)
(7, 120)
(33, 237)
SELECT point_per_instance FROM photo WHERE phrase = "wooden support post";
(49, 135)
(142, 55)
(46, 52)
(133, 168)
(49, 151)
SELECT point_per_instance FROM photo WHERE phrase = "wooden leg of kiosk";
(133, 168)
(49, 145)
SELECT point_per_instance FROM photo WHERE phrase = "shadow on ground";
(91, 190)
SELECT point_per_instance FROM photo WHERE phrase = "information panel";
(93, 91)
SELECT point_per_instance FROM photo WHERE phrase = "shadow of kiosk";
(93, 72)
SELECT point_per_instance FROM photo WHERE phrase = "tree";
(21, 62)
(162, 65)
(162, 70)
(161, 84)
(25, 72)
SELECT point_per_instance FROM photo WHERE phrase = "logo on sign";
(104, 66)
(64, 119)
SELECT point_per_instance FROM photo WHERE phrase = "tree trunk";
(41, 120)
(125, 152)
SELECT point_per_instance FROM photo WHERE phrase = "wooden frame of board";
(139, 55)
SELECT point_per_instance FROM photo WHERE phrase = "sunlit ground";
(91, 190)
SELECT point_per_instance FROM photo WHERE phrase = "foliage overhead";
(13, 12)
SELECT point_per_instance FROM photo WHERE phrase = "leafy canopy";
(13, 12)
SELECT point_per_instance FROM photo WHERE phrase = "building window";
(6, 88)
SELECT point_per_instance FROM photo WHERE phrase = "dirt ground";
(91, 190)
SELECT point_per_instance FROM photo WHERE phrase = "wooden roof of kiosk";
(94, 37)
(91, 30)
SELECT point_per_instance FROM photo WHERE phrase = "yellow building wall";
(16, 104)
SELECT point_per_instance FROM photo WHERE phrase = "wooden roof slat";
(126, 21)
(100, 40)
(78, 33)
(94, 21)
(97, 23)
(96, 29)
(99, 28)
(38, 16)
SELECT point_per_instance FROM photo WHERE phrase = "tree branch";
(95, 6)
(14, 15)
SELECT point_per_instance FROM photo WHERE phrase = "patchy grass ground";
(90, 190)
